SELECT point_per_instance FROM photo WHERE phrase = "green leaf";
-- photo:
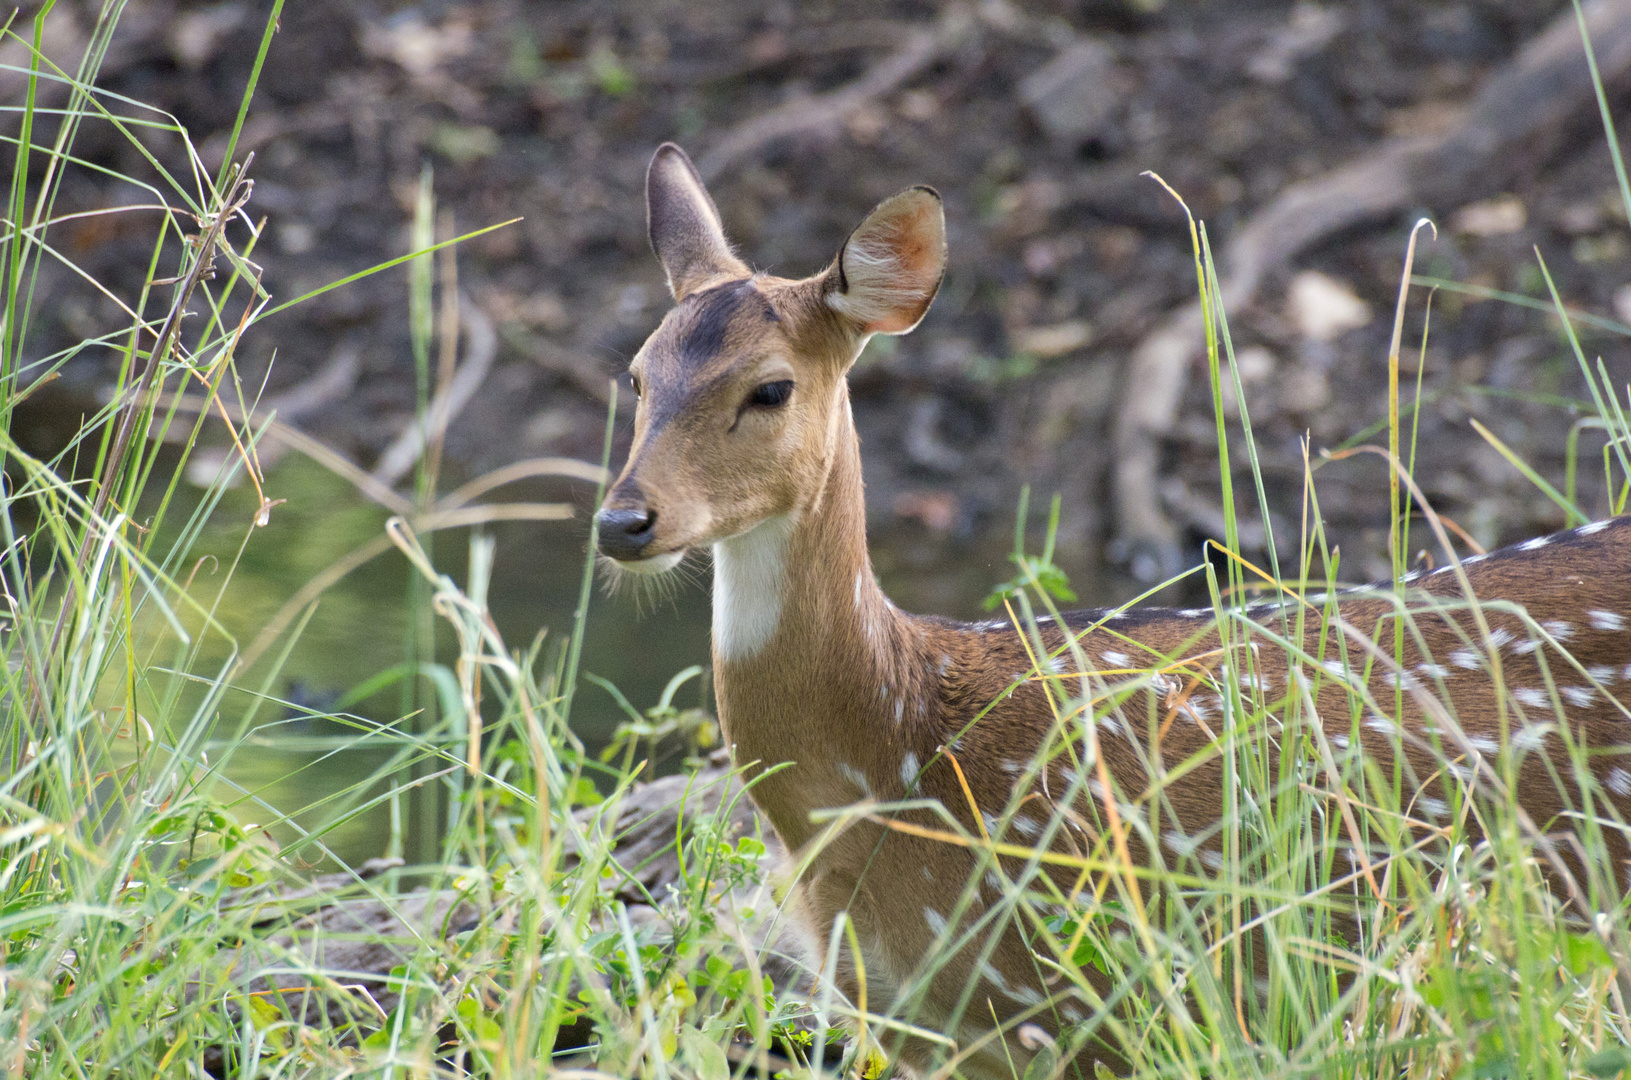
(1042, 1066)
(1608, 1062)
(1586, 953)
(705, 1056)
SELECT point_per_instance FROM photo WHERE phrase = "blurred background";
(1309, 137)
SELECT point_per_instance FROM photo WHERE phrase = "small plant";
(1036, 571)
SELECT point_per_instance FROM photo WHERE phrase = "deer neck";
(808, 652)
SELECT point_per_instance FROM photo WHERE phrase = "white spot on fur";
(1470, 659)
(1619, 781)
(1402, 680)
(993, 881)
(1594, 527)
(1529, 696)
(1483, 744)
(1025, 995)
(1536, 544)
(856, 777)
(1212, 860)
(1377, 722)
(1112, 658)
(908, 770)
(1196, 612)
(900, 709)
(1060, 664)
(1578, 696)
(1559, 629)
(1026, 826)
(1601, 672)
(1525, 647)
(1432, 807)
(1500, 637)
(1606, 620)
(945, 663)
(936, 921)
(928, 875)
(750, 579)
(1532, 737)
(1433, 671)
(1341, 742)
(1178, 843)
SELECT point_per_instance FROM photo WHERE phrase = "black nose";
(624, 534)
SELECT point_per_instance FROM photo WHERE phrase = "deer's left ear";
(890, 267)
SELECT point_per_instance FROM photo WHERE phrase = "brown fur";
(847, 691)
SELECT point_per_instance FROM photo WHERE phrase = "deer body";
(745, 443)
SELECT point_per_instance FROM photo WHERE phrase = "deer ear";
(684, 225)
(890, 267)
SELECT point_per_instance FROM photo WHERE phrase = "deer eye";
(634, 380)
(771, 395)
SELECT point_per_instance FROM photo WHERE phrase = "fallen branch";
(824, 113)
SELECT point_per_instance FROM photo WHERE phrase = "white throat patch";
(750, 578)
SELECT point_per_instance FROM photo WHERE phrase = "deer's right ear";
(684, 225)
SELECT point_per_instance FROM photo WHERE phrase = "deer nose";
(624, 534)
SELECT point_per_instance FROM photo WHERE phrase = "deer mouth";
(651, 564)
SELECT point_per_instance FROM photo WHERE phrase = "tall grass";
(151, 923)
(159, 919)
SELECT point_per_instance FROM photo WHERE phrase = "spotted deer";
(829, 695)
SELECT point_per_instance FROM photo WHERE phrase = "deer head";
(740, 386)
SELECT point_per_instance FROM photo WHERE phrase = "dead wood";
(1513, 123)
(481, 345)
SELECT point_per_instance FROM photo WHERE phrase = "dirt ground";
(1035, 119)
